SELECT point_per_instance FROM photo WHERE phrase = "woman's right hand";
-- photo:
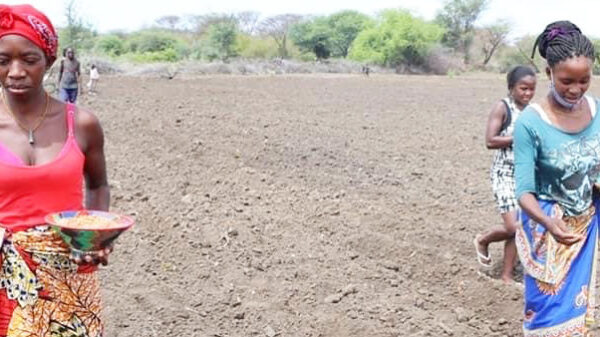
(558, 228)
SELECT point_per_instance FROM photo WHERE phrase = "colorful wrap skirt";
(42, 292)
(559, 280)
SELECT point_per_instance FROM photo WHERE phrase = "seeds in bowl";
(86, 222)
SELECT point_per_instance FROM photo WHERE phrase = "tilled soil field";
(302, 206)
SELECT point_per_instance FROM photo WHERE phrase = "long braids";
(562, 40)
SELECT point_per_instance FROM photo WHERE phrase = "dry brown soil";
(302, 206)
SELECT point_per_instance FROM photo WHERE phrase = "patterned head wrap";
(28, 22)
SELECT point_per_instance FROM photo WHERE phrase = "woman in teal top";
(557, 163)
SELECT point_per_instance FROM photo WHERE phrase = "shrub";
(167, 55)
(222, 36)
(397, 39)
(151, 41)
(111, 45)
(252, 47)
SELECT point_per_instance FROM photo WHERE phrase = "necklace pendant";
(31, 140)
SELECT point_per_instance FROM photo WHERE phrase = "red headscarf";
(28, 22)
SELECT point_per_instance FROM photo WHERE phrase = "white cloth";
(94, 74)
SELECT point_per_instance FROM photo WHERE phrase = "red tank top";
(29, 193)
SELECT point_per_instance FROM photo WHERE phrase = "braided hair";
(516, 74)
(562, 40)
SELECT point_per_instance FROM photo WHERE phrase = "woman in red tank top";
(47, 150)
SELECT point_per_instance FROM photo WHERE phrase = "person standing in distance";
(69, 76)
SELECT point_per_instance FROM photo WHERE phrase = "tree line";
(393, 38)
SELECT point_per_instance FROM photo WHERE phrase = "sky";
(525, 16)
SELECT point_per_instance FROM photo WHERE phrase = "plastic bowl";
(83, 239)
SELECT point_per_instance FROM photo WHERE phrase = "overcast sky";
(526, 16)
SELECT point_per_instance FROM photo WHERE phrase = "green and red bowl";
(84, 239)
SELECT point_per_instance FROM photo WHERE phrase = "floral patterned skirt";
(560, 280)
(42, 292)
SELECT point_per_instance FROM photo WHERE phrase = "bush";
(222, 36)
(329, 35)
(147, 46)
(151, 41)
(167, 55)
(79, 37)
(204, 50)
(251, 47)
(218, 43)
(306, 57)
(397, 39)
(111, 45)
(313, 36)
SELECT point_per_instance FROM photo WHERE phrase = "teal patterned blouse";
(554, 164)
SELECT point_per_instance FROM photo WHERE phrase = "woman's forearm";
(499, 142)
(530, 205)
(98, 198)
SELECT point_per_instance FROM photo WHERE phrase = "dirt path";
(302, 206)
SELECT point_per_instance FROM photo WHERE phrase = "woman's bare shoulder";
(85, 119)
(88, 130)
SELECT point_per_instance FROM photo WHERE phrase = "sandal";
(484, 261)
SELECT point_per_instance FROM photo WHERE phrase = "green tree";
(151, 41)
(458, 18)
(398, 38)
(330, 35)
(345, 27)
(155, 45)
(111, 45)
(255, 47)
(77, 34)
(313, 36)
(222, 37)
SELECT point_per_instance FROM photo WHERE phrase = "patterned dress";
(42, 292)
(561, 169)
(502, 173)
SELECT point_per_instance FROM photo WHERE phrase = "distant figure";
(94, 77)
(521, 82)
(366, 70)
(68, 77)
